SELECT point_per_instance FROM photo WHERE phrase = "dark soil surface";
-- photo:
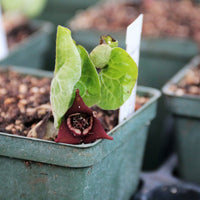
(190, 84)
(17, 29)
(161, 18)
(108, 118)
(24, 101)
(25, 105)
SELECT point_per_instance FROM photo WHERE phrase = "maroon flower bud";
(80, 125)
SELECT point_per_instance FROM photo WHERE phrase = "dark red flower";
(80, 125)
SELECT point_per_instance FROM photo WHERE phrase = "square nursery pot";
(39, 169)
(58, 11)
(33, 51)
(186, 112)
(160, 59)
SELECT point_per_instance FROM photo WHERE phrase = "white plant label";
(3, 41)
(133, 38)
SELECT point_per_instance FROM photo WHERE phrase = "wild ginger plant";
(105, 78)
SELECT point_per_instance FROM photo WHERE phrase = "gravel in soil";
(190, 84)
(25, 106)
(24, 101)
(161, 18)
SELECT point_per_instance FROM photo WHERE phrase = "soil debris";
(190, 84)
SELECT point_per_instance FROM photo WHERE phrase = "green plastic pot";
(58, 11)
(34, 51)
(186, 112)
(160, 59)
(109, 170)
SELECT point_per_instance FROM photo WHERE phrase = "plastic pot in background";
(160, 59)
(185, 110)
(39, 169)
(34, 51)
(61, 10)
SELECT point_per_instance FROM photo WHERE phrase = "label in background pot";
(3, 42)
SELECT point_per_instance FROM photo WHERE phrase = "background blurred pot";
(101, 170)
(160, 59)
(185, 110)
(58, 11)
(33, 51)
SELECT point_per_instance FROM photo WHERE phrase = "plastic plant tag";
(3, 42)
(133, 38)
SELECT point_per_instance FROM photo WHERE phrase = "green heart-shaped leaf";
(89, 84)
(117, 79)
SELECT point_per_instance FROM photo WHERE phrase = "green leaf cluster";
(76, 69)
